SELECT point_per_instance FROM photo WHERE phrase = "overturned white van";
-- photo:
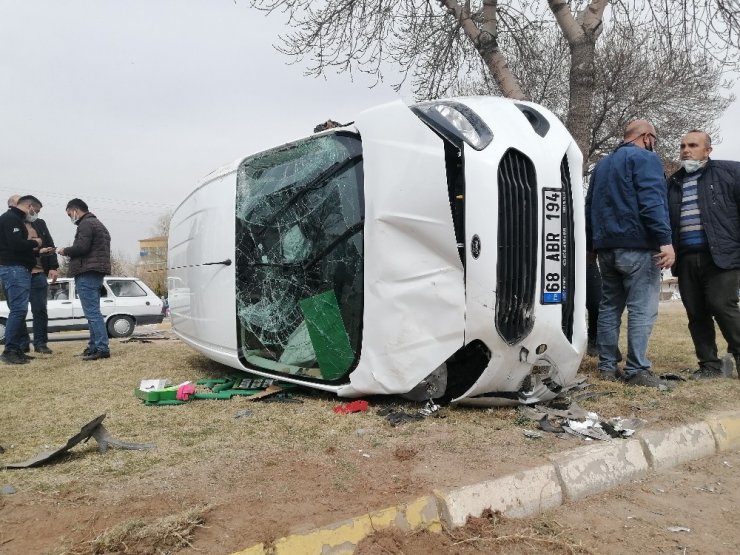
(435, 250)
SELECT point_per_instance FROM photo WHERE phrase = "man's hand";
(60, 251)
(666, 257)
(53, 275)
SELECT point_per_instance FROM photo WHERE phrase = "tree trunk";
(582, 83)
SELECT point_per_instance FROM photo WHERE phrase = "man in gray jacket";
(89, 263)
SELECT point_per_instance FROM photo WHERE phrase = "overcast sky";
(127, 105)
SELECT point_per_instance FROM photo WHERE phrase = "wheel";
(120, 326)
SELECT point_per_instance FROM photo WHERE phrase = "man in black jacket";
(17, 258)
(704, 206)
(46, 267)
(89, 263)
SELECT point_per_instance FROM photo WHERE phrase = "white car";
(434, 250)
(125, 303)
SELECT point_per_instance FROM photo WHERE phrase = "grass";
(307, 445)
(167, 534)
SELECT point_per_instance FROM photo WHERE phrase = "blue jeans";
(629, 277)
(88, 285)
(17, 283)
(39, 292)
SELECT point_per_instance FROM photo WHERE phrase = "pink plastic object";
(185, 391)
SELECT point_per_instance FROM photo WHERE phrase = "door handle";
(107, 301)
(66, 302)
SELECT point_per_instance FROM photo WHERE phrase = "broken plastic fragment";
(354, 406)
(678, 529)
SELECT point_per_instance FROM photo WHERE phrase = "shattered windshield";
(299, 258)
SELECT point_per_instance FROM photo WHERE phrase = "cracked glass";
(299, 258)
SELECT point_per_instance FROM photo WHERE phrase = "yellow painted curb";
(342, 538)
(258, 549)
(726, 430)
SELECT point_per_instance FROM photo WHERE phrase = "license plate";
(553, 246)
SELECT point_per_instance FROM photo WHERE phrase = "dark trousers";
(709, 294)
(593, 298)
(39, 292)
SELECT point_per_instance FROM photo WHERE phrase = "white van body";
(124, 302)
(450, 262)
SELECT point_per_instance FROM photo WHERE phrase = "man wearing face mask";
(46, 265)
(17, 258)
(627, 226)
(89, 263)
(704, 202)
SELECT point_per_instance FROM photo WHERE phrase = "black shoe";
(737, 365)
(96, 355)
(608, 375)
(12, 358)
(84, 353)
(27, 349)
(646, 379)
(707, 373)
(44, 350)
(25, 356)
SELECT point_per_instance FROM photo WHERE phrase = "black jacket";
(16, 249)
(48, 261)
(90, 251)
(719, 204)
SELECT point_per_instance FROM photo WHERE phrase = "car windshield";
(299, 257)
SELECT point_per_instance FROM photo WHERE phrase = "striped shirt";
(691, 231)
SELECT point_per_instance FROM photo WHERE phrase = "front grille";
(516, 269)
(569, 260)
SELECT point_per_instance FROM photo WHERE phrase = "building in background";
(152, 265)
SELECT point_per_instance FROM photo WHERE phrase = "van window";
(125, 288)
(299, 257)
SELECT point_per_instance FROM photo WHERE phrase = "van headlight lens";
(454, 121)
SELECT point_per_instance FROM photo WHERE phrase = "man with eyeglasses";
(704, 201)
(627, 226)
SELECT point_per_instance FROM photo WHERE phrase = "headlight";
(455, 122)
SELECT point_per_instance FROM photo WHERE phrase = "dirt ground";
(694, 508)
(285, 468)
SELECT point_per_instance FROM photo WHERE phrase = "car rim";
(122, 326)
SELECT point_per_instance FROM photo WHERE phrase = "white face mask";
(692, 166)
(30, 218)
(73, 217)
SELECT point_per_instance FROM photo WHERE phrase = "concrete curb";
(570, 475)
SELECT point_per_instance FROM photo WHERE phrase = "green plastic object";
(166, 394)
(328, 334)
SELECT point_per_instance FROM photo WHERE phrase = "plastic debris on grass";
(577, 422)
(93, 429)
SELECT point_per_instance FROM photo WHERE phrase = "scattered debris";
(160, 392)
(678, 529)
(531, 434)
(7, 489)
(576, 421)
(2, 450)
(396, 417)
(354, 406)
(93, 429)
(243, 413)
(363, 431)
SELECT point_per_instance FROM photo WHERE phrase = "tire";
(120, 326)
